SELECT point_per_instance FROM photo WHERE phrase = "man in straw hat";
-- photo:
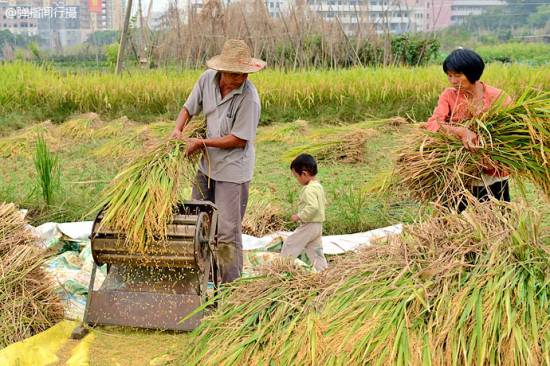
(231, 106)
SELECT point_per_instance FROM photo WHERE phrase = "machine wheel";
(203, 253)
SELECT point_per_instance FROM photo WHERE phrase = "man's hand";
(175, 135)
(469, 138)
(193, 145)
(295, 218)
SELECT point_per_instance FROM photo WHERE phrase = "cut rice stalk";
(140, 200)
(286, 132)
(28, 303)
(514, 140)
(347, 147)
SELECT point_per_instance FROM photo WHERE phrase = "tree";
(541, 17)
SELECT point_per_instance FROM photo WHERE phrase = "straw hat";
(235, 57)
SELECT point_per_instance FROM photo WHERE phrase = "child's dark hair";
(466, 62)
(304, 162)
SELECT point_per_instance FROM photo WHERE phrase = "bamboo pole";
(122, 46)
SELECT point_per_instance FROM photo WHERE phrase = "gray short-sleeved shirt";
(237, 114)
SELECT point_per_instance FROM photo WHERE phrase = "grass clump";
(452, 290)
(29, 304)
(140, 199)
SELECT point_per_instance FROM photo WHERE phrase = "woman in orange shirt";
(467, 98)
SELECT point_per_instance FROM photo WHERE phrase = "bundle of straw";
(110, 130)
(436, 167)
(28, 303)
(346, 147)
(262, 217)
(287, 132)
(21, 143)
(467, 289)
(140, 200)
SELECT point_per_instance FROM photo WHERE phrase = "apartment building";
(394, 16)
(18, 16)
(443, 13)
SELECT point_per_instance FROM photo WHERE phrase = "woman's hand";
(295, 218)
(469, 138)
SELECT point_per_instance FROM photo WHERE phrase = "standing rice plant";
(436, 167)
(347, 147)
(29, 303)
(468, 289)
(48, 171)
(139, 202)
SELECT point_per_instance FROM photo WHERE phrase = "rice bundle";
(110, 130)
(77, 129)
(21, 144)
(262, 217)
(436, 167)
(346, 147)
(286, 132)
(467, 289)
(140, 199)
(28, 303)
(370, 125)
(125, 144)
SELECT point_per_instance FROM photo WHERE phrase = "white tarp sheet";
(332, 244)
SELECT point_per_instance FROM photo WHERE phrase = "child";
(311, 214)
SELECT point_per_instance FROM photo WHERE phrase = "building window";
(427, 5)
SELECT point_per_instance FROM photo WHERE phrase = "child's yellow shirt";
(312, 201)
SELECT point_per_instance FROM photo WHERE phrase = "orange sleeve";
(441, 113)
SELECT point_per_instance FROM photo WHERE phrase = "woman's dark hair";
(466, 62)
(304, 162)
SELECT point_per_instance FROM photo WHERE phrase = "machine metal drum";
(160, 287)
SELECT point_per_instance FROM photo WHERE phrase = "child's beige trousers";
(307, 237)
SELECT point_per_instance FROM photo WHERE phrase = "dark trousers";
(499, 190)
(231, 199)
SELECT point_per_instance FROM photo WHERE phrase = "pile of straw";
(262, 217)
(460, 289)
(21, 144)
(28, 303)
(286, 132)
(341, 147)
(140, 200)
(436, 167)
